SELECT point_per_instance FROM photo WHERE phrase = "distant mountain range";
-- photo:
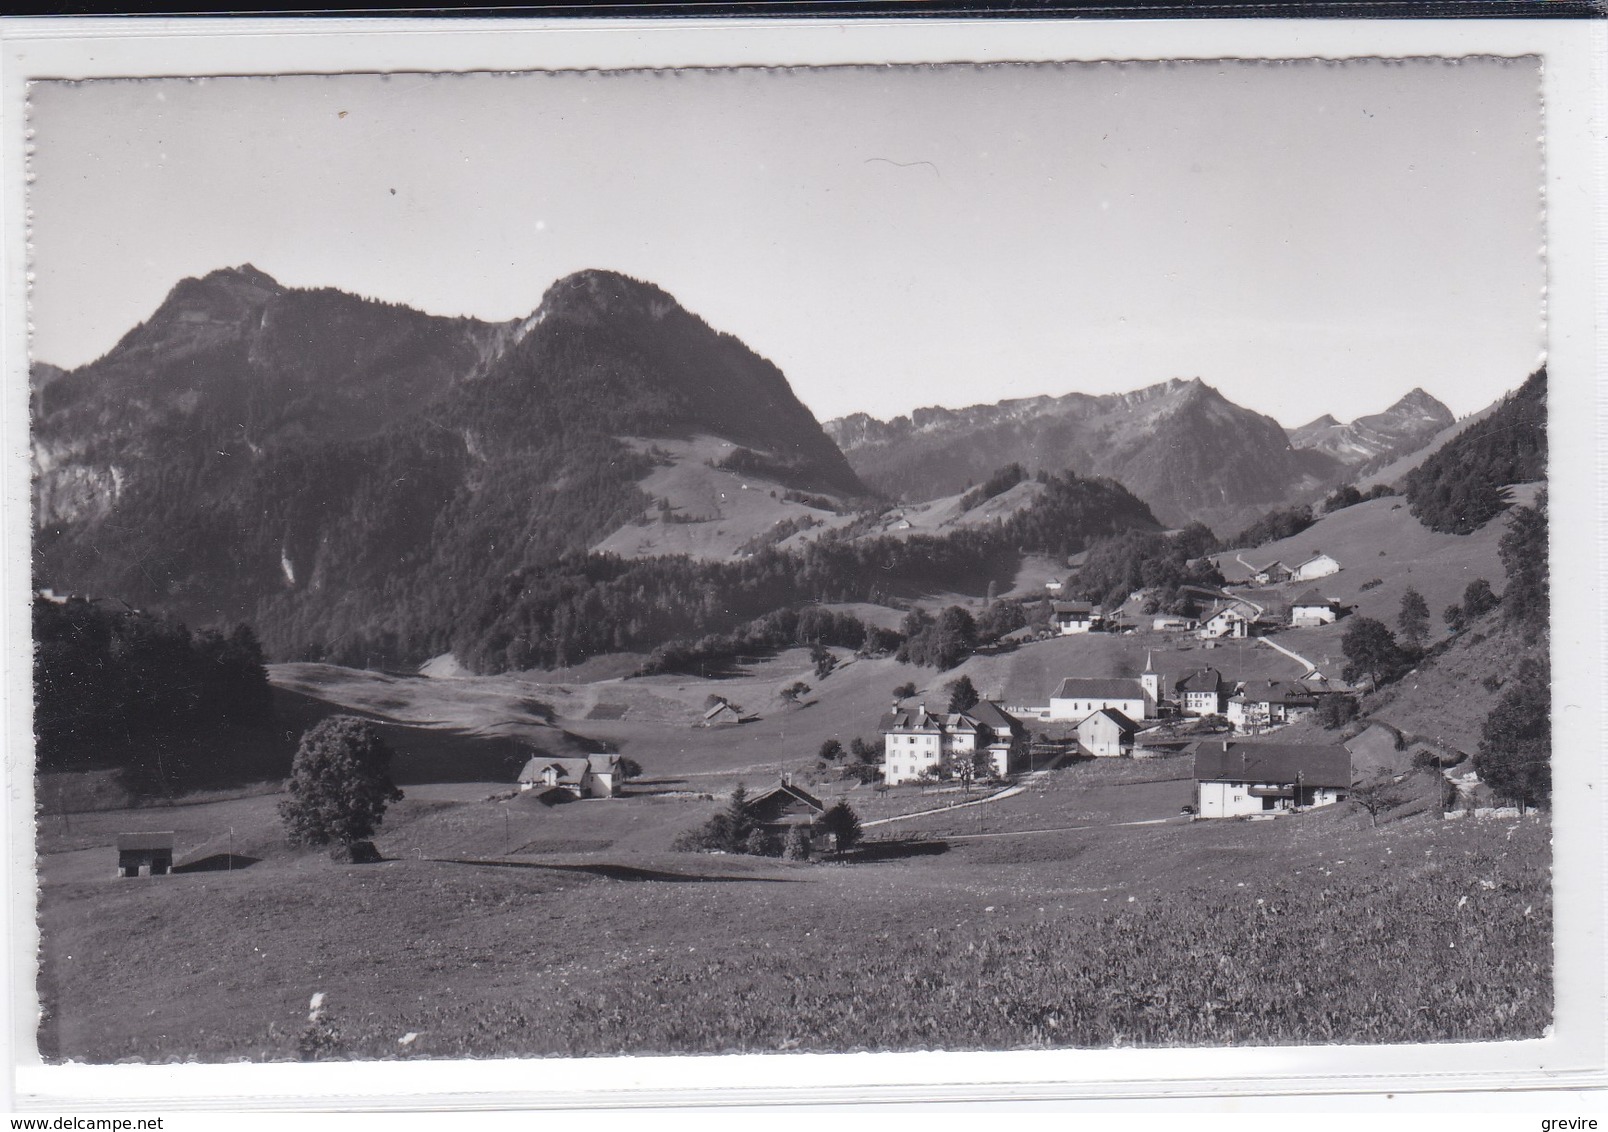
(333, 468)
(361, 480)
(1181, 446)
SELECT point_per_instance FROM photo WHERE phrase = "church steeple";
(1150, 679)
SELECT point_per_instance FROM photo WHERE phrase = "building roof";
(606, 763)
(1275, 692)
(1312, 597)
(990, 714)
(911, 719)
(1123, 722)
(569, 770)
(1275, 563)
(1317, 556)
(161, 840)
(1092, 688)
(1084, 607)
(720, 709)
(795, 793)
(1202, 680)
(1276, 763)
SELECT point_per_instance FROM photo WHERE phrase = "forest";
(1460, 488)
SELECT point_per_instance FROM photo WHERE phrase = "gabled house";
(595, 776)
(785, 807)
(1271, 574)
(1234, 619)
(1312, 609)
(1234, 779)
(1106, 733)
(1078, 696)
(1074, 617)
(1262, 704)
(1006, 737)
(1203, 692)
(1318, 566)
(1053, 585)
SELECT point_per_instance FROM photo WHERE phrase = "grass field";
(595, 939)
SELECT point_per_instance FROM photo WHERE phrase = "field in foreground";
(1314, 929)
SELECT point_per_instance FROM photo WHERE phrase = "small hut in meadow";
(144, 854)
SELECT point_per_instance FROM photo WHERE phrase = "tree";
(629, 767)
(864, 753)
(962, 694)
(1413, 620)
(795, 691)
(1479, 599)
(843, 823)
(1455, 618)
(1515, 753)
(831, 751)
(1527, 600)
(1371, 650)
(904, 691)
(1337, 710)
(1376, 797)
(824, 661)
(340, 783)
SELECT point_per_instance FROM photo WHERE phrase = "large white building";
(1312, 609)
(1078, 697)
(1234, 779)
(916, 741)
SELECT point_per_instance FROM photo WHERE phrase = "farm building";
(1106, 734)
(1232, 620)
(1241, 779)
(1261, 704)
(595, 776)
(1053, 585)
(1074, 617)
(1318, 566)
(721, 714)
(1312, 609)
(785, 807)
(1078, 696)
(1271, 574)
(144, 854)
(1172, 624)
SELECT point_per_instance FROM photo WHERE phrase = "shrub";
(797, 847)
(1335, 711)
(904, 691)
(762, 843)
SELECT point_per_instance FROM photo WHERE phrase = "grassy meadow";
(590, 937)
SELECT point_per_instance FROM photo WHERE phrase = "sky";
(1309, 237)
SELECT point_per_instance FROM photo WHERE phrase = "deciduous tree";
(340, 783)
(1413, 619)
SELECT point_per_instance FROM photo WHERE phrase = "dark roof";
(1073, 607)
(1203, 680)
(911, 719)
(1114, 716)
(569, 770)
(126, 841)
(1275, 692)
(1312, 597)
(1270, 565)
(1277, 763)
(990, 714)
(1088, 688)
(761, 800)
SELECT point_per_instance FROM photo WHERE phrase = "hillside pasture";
(1162, 934)
(1379, 545)
(713, 511)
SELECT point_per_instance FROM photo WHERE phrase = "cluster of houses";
(1276, 573)
(591, 776)
(1123, 716)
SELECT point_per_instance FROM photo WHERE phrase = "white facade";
(1242, 799)
(1078, 709)
(1318, 566)
(1310, 616)
(907, 755)
(1230, 622)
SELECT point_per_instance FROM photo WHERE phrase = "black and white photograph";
(976, 556)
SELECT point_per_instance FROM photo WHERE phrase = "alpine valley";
(373, 485)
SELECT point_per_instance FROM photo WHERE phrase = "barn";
(145, 854)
